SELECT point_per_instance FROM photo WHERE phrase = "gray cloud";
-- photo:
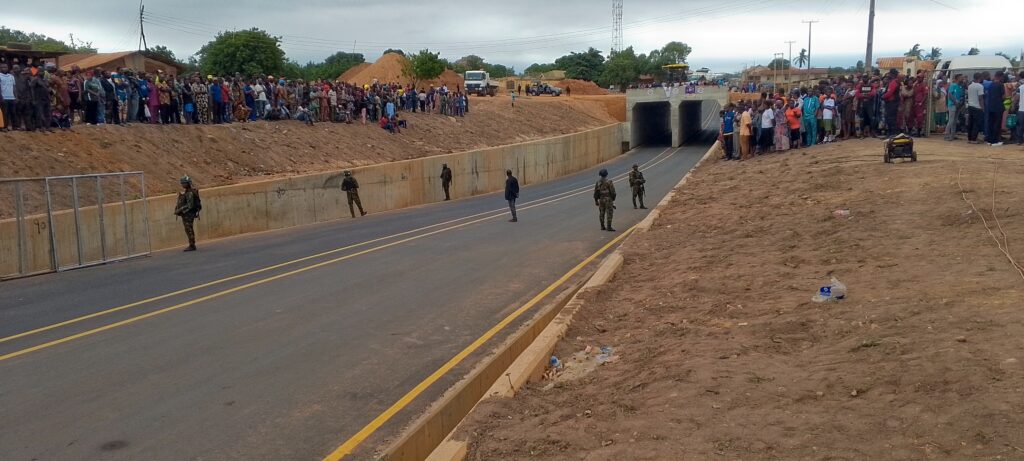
(724, 34)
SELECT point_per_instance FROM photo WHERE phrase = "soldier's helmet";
(635, 166)
(347, 173)
(186, 180)
(603, 173)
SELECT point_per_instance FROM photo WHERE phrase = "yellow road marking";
(406, 399)
(265, 280)
(571, 192)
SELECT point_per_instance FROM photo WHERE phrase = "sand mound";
(388, 69)
(355, 70)
(448, 77)
(581, 87)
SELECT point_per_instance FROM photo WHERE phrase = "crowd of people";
(42, 98)
(876, 105)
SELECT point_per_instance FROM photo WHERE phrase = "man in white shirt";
(261, 98)
(828, 113)
(975, 113)
(7, 101)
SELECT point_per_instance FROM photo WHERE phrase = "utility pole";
(871, 38)
(809, 24)
(142, 31)
(778, 58)
(789, 70)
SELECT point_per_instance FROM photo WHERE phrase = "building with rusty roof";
(140, 61)
(906, 65)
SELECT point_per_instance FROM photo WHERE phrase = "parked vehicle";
(539, 88)
(479, 82)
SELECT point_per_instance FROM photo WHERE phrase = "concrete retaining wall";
(280, 203)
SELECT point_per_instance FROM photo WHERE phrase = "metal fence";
(66, 222)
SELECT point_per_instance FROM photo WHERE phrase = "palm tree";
(935, 53)
(974, 51)
(801, 60)
(915, 52)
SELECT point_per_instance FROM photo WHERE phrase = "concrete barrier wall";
(307, 199)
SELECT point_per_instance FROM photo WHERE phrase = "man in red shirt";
(892, 101)
(865, 94)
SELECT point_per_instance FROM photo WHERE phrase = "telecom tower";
(617, 25)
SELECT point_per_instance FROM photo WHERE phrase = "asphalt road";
(238, 351)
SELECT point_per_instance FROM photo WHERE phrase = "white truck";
(479, 82)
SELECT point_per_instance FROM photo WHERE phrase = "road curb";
(532, 362)
(647, 222)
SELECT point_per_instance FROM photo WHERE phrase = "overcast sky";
(725, 35)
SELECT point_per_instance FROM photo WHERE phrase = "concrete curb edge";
(530, 365)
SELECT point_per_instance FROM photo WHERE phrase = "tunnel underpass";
(698, 121)
(651, 124)
(673, 122)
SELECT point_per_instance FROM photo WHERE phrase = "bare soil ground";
(722, 354)
(228, 154)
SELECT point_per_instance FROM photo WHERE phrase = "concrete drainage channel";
(521, 359)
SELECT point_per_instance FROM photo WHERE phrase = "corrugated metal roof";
(893, 63)
(89, 61)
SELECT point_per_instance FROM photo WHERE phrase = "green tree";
(423, 66)
(674, 53)
(290, 70)
(801, 59)
(780, 64)
(394, 50)
(498, 70)
(535, 69)
(471, 62)
(935, 53)
(249, 52)
(584, 66)
(163, 51)
(40, 42)
(621, 69)
(915, 51)
(332, 67)
(974, 51)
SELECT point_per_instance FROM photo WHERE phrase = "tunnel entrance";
(652, 124)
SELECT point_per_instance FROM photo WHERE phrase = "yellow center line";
(350, 444)
(262, 281)
(501, 211)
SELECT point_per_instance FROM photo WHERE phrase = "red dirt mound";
(387, 69)
(355, 70)
(581, 87)
(449, 78)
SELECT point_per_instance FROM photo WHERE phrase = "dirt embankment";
(722, 354)
(228, 154)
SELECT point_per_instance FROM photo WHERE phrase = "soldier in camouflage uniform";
(604, 198)
(636, 183)
(188, 207)
(351, 188)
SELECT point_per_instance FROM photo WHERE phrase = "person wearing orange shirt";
(793, 116)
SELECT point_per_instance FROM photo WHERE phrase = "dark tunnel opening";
(698, 121)
(652, 124)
